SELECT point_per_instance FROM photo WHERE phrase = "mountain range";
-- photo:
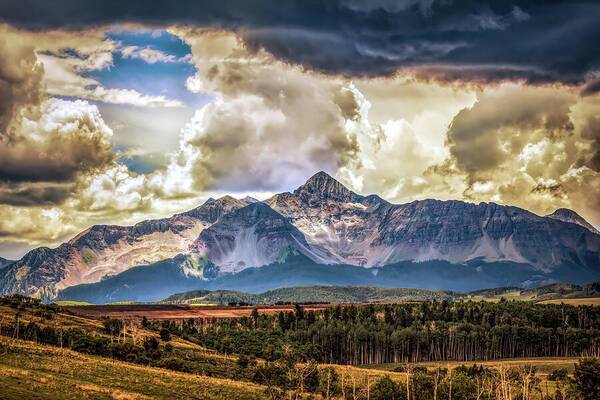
(321, 233)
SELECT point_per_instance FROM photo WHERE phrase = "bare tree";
(527, 377)
(504, 383)
(409, 370)
(436, 381)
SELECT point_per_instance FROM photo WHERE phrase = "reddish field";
(168, 311)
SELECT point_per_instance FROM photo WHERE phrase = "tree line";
(395, 333)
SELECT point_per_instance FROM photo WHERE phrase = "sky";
(113, 112)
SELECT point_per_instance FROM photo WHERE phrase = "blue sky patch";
(158, 79)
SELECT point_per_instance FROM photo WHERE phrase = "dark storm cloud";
(27, 195)
(538, 41)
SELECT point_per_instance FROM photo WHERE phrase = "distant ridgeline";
(311, 294)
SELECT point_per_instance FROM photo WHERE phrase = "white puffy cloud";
(535, 147)
(149, 55)
(115, 189)
(36, 225)
(270, 126)
(401, 131)
(62, 78)
(60, 141)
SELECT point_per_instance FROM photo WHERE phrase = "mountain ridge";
(322, 220)
(103, 250)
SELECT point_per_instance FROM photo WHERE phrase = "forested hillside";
(358, 294)
(312, 294)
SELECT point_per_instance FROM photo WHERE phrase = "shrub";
(175, 364)
(243, 361)
(165, 335)
(386, 389)
(124, 351)
(84, 343)
(112, 326)
(558, 375)
(586, 379)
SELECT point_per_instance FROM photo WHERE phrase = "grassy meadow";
(34, 371)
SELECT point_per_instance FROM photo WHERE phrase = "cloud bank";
(463, 39)
(492, 101)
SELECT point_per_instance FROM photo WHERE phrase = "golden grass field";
(33, 371)
(543, 365)
(518, 296)
(177, 311)
(586, 301)
(29, 370)
(68, 321)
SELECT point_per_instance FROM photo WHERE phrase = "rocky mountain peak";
(567, 215)
(325, 187)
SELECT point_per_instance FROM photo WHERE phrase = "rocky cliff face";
(459, 232)
(105, 250)
(333, 219)
(324, 221)
(369, 231)
(251, 236)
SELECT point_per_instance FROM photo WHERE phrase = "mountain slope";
(457, 231)
(142, 283)
(157, 281)
(104, 250)
(329, 225)
(251, 236)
